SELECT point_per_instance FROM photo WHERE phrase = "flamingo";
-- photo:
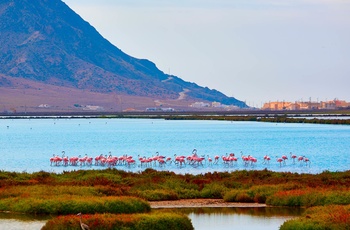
(245, 159)
(97, 159)
(210, 160)
(252, 160)
(306, 160)
(82, 160)
(65, 161)
(198, 160)
(73, 161)
(266, 159)
(279, 160)
(232, 159)
(301, 159)
(89, 161)
(161, 162)
(57, 160)
(226, 160)
(180, 160)
(216, 159)
(52, 159)
(194, 152)
(284, 157)
(83, 226)
(142, 160)
(168, 160)
(293, 157)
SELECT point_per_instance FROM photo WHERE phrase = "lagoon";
(28, 144)
(202, 218)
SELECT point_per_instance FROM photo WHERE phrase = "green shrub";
(238, 196)
(213, 190)
(309, 197)
(332, 217)
(152, 221)
(231, 196)
(157, 195)
(69, 205)
(188, 193)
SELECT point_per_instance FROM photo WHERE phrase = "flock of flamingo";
(228, 160)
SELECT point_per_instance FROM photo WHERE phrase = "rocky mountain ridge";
(45, 42)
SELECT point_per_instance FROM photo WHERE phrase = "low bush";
(237, 195)
(259, 193)
(188, 193)
(152, 221)
(213, 190)
(68, 205)
(309, 197)
(332, 217)
(156, 195)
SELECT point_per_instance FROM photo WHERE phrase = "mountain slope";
(45, 41)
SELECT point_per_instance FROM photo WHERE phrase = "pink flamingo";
(97, 159)
(280, 161)
(168, 160)
(65, 161)
(161, 162)
(143, 161)
(52, 159)
(57, 160)
(226, 160)
(180, 160)
(73, 161)
(252, 160)
(89, 161)
(210, 160)
(284, 157)
(293, 157)
(266, 159)
(245, 159)
(307, 161)
(232, 159)
(301, 159)
(82, 160)
(216, 159)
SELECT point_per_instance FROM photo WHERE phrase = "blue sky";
(254, 50)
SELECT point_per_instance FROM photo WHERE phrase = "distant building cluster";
(159, 109)
(334, 104)
(213, 105)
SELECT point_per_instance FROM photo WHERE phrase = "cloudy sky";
(254, 50)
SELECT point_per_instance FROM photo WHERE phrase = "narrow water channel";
(202, 218)
(241, 218)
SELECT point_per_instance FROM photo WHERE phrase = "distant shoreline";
(160, 114)
(203, 203)
(334, 117)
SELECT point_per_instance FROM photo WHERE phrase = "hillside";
(45, 42)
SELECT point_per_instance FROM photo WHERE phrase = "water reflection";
(268, 218)
(21, 222)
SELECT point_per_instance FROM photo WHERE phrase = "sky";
(254, 50)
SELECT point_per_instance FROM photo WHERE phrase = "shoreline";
(202, 203)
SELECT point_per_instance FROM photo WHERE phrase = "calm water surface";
(202, 219)
(240, 218)
(28, 144)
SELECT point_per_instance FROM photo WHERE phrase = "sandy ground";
(195, 203)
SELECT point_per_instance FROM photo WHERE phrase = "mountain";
(45, 42)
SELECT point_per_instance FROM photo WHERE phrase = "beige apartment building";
(276, 105)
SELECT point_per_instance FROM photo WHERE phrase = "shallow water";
(28, 144)
(202, 218)
(242, 218)
(21, 222)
